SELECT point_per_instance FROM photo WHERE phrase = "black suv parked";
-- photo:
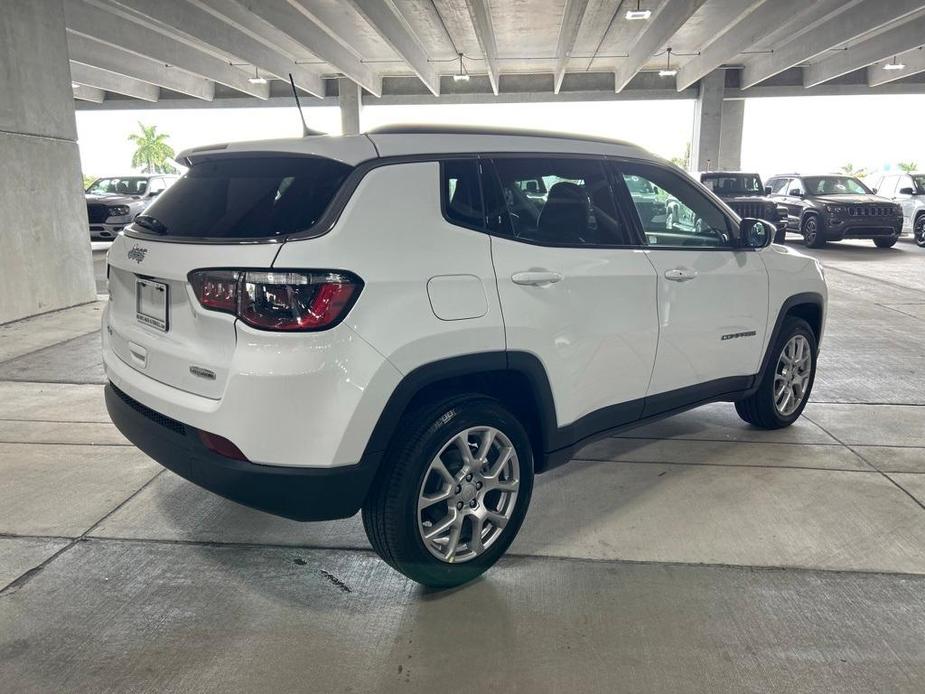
(834, 207)
(744, 193)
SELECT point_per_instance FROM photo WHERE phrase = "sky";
(780, 134)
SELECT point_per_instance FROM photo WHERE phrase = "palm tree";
(909, 166)
(152, 151)
(849, 170)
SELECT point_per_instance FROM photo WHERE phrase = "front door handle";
(536, 278)
(680, 274)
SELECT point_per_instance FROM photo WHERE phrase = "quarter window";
(672, 211)
(462, 198)
(560, 202)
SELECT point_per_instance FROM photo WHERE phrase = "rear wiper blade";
(151, 223)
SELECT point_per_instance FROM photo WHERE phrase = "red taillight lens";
(278, 300)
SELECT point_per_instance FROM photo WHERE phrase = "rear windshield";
(246, 197)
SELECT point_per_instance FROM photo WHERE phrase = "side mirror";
(755, 233)
(796, 192)
(767, 190)
(905, 191)
(873, 190)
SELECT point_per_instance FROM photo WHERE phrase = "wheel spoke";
(503, 457)
(475, 541)
(505, 486)
(438, 467)
(462, 445)
(498, 520)
(441, 527)
(452, 543)
(488, 437)
(428, 500)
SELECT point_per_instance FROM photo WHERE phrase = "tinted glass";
(919, 180)
(564, 201)
(734, 184)
(675, 213)
(129, 185)
(246, 197)
(834, 185)
(462, 199)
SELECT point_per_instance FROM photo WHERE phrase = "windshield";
(639, 185)
(835, 185)
(131, 185)
(734, 183)
(246, 197)
(919, 180)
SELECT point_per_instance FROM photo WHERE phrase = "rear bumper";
(105, 232)
(302, 494)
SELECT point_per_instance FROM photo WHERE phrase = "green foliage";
(88, 180)
(849, 170)
(909, 166)
(683, 161)
(152, 150)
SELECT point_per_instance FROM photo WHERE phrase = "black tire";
(759, 409)
(918, 231)
(390, 513)
(812, 232)
(886, 242)
(780, 236)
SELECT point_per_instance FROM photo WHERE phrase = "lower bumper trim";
(298, 493)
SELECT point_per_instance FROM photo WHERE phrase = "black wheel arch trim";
(802, 299)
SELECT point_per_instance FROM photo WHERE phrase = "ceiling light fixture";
(894, 65)
(257, 79)
(462, 75)
(668, 71)
(638, 13)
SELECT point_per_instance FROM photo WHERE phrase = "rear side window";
(462, 198)
(560, 202)
(246, 197)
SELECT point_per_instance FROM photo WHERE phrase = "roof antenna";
(306, 131)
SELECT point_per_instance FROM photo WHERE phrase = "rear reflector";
(221, 445)
(278, 300)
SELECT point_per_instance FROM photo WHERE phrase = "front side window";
(462, 198)
(919, 180)
(672, 211)
(779, 186)
(835, 185)
(560, 201)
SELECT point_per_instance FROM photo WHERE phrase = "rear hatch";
(229, 211)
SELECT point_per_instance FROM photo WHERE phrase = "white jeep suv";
(416, 321)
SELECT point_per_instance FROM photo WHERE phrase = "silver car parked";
(907, 190)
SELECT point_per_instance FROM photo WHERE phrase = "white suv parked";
(414, 322)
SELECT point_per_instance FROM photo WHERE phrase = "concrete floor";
(696, 554)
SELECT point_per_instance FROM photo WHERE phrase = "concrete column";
(45, 258)
(708, 119)
(350, 102)
(730, 143)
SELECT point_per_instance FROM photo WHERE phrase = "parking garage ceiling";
(127, 53)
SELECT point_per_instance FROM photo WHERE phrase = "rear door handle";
(679, 274)
(536, 278)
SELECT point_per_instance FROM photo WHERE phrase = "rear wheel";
(812, 234)
(453, 491)
(787, 381)
(918, 230)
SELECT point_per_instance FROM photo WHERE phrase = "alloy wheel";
(791, 377)
(468, 494)
(918, 230)
(809, 231)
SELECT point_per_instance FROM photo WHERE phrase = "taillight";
(287, 300)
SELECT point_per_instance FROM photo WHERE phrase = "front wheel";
(780, 236)
(918, 231)
(453, 491)
(812, 234)
(886, 242)
(787, 380)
